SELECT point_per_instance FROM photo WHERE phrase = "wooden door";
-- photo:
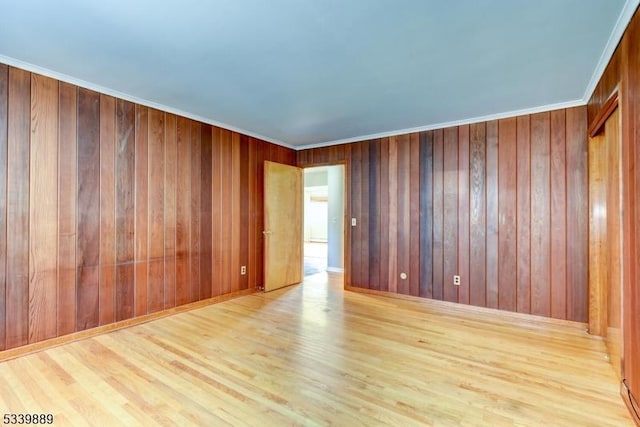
(605, 238)
(282, 225)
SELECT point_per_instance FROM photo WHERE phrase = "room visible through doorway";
(323, 219)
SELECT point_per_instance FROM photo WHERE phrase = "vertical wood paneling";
(384, 214)
(507, 206)
(244, 193)
(393, 212)
(155, 280)
(404, 224)
(88, 231)
(438, 215)
(426, 214)
(363, 265)
(196, 165)
(18, 147)
(450, 223)
(558, 207)
(183, 212)
(540, 215)
(463, 214)
(252, 172)
(414, 206)
(67, 173)
(226, 157)
(492, 217)
(523, 213)
(477, 212)
(577, 262)
(107, 292)
(125, 209)
(235, 213)
(170, 215)
(374, 215)
(141, 209)
(4, 84)
(356, 191)
(43, 209)
(216, 211)
(206, 236)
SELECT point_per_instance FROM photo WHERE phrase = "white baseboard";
(335, 270)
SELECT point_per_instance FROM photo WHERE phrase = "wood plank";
(374, 214)
(438, 215)
(183, 212)
(217, 210)
(577, 209)
(107, 290)
(245, 215)
(463, 214)
(196, 153)
(155, 280)
(170, 209)
(450, 223)
(491, 186)
(364, 215)
(507, 211)
(141, 209)
(67, 176)
(206, 236)
(356, 212)
(252, 172)
(393, 214)
(259, 211)
(43, 209)
(426, 214)
(558, 208)
(227, 215)
(4, 166)
(125, 209)
(235, 212)
(523, 227)
(540, 216)
(477, 214)
(384, 214)
(88, 231)
(414, 206)
(404, 220)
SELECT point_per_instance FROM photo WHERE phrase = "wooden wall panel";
(4, 85)
(111, 208)
(107, 289)
(88, 228)
(507, 237)
(450, 217)
(540, 215)
(125, 209)
(18, 148)
(622, 74)
(479, 201)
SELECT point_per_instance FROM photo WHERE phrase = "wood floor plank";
(332, 357)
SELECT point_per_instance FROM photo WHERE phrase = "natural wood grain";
(507, 209)
(244, 194)
(170, 209)
(356, 212)
(426, 214)
(107, 291)
(365, 235)
(414, 206)
(183, 212)
(43, 202)
(463, 214)
(477, 212)
(541, 215)
(155, 221)
(88, 228)
(404, 225)
(393, 213)
(4, 85)
(196, 165)
(558, 208)
(523, 214)
(492, 215)
(374, 215)
(177, 375)
(450, 220)
(384, 215)
(438, 215)
(206, 236)
(234, 265)
(67, 176)
(141, 208)
(125, 209)
(226, 157)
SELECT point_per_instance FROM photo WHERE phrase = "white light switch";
(353, 222)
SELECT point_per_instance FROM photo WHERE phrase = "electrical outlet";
(353, 222)
(243, 270)
(456, 280)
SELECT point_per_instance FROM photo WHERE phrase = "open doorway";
(323, 219)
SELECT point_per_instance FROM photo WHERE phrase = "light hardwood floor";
(315, 355)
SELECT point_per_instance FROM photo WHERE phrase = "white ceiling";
(311, 72)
